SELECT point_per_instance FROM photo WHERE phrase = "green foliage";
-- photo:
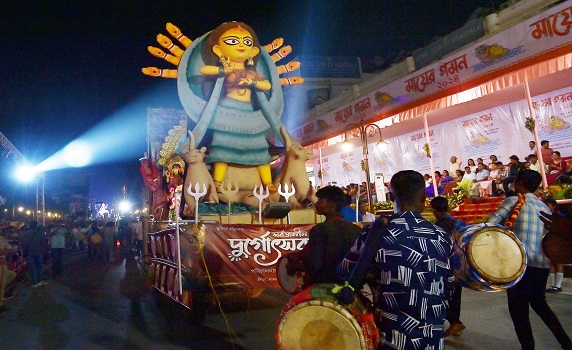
(559, 191)
(387, 205)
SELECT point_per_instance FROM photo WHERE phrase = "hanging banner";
(351, 165)
(386, 159)
(553, 118)
(546, 34)
(247, 254)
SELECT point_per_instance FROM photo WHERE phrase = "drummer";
(530, 291)
(405, 256)
(440, 208)
(328, 241)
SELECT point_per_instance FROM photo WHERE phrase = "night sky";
(67, 66)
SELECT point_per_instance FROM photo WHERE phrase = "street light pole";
(363, 130)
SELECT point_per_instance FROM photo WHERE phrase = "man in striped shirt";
(408, 261)
(530, 291)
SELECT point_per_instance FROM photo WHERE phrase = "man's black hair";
(530, 179)
(514, 157)
(333, 194)
(408, 186)
(440, 204)
(543, 142)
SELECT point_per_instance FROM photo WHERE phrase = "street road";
(109, 306)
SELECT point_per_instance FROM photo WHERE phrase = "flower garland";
(530, 124)
(511, 219)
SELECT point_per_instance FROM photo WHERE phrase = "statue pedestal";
(300, 216)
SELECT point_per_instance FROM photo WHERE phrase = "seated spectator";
(556, 168)
(469, 174)
(438, 178)
(428, 180)
(458, 175)
(532, 162)
(367, 216)
(349, 213)
(514, 167)
(492, 165)
(471, 164)
(446, 178)
(448, 183)
(502, 173)
(482, 183)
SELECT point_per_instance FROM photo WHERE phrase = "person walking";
(530, 290)
(109, 233)
(33, 243)
(57, 246)
(440, 208)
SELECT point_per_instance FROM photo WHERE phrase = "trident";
(196, 195)
(286, 194)
(227, 190)
(261, 195)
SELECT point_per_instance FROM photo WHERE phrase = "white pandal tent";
(473, 103)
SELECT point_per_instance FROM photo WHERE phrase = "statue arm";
(210, 70)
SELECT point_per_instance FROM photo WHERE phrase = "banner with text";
(541, 33)
(247, 254)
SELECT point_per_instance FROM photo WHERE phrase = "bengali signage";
(247, 254)
(543, 33)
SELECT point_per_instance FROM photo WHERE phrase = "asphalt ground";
(110, 306)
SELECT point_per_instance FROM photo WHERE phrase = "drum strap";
(373, 241)
(513, 215)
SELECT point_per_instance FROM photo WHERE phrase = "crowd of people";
(405, 261)
(495, 178)
(404, 258)
(31, 248)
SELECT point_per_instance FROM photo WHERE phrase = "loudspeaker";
(276, 210)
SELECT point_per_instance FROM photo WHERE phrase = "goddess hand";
(247, 81)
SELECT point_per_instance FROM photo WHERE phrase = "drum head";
(319, 325)
(496, 255)
(289, 284)
(95, 238)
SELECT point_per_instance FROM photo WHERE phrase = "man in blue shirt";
(530, 290)
(349, 213)
(409, 261)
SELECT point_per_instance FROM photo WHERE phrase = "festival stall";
(473, 101)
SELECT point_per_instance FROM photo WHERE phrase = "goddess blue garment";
(239, 132)
(411, 266)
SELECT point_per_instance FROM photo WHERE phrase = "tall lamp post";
(364, 131)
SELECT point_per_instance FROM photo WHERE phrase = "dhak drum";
(487, 257)
(95, 238)
(315, 320)
(291, 284)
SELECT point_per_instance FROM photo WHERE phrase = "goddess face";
(236, 44)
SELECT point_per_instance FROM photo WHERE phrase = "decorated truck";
(224, 174)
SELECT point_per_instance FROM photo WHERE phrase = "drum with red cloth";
(487, 257)
(290, 283)
(314, 319)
